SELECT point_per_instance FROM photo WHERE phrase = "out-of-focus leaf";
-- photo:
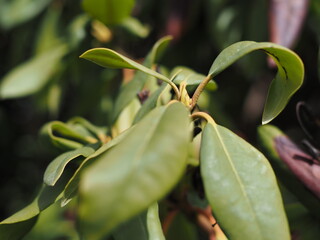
(65, 136)
(267, 137)
(303, 225)
(72, 186)
(55, 220)
(145, 226)
(98, 132)
(17, 230)
(191, 77)
(138, 171)
(149, 104)
(21, 222)
(286, 18)
(77, 31)
(57, 166)
(108, 11)
(241, 187)
(131, 89)
(182, 229)
(15, 12)
(135, 27)
(287, 81)
(31, 76)
(47, 38)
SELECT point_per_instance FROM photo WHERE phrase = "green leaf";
(72, 186)
(15, 12)
(241, 187)
(267, 137)
(108, 11)
(145, 226)
(191, 77)
(65, 136)
(57, 166)
(134, 26)
(31, 76)
(149, 104)
(110, 59)
(21, 222)
(131, 89)
(138, 171)
(287, 81)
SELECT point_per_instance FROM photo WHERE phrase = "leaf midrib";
(237, 177)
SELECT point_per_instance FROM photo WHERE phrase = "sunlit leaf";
(108, 11)
(287, 81)
(135, 173)
(241, 187)
(31, 76)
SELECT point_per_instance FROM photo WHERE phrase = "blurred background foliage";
(43, 79)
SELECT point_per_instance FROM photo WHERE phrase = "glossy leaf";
(135, 173)
(31, 76)
(131, 89)
(241, 187)
(269, 137)
(108, 11)
(110, 59)
(65, 136)
(287, 81)
(21, 222)
(191, 77)
(15, 12)
(56, 167)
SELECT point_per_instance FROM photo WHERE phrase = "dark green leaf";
(31, 76)
(241, 187)
(108, 11)
(267, 136)
(287, 81)
(57, 166)
(21, 222)
(131, 89)
(138, 171)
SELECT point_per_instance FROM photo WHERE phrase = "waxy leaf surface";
(288, 80)
(241, 187)
(138, 171)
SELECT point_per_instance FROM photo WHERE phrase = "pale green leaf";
(136, 27)
(287, 81)
(31, 76)
(57, 166)
(110, 59)
(241, 187)
(108, 11)
(138, 171)
(15, 12)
